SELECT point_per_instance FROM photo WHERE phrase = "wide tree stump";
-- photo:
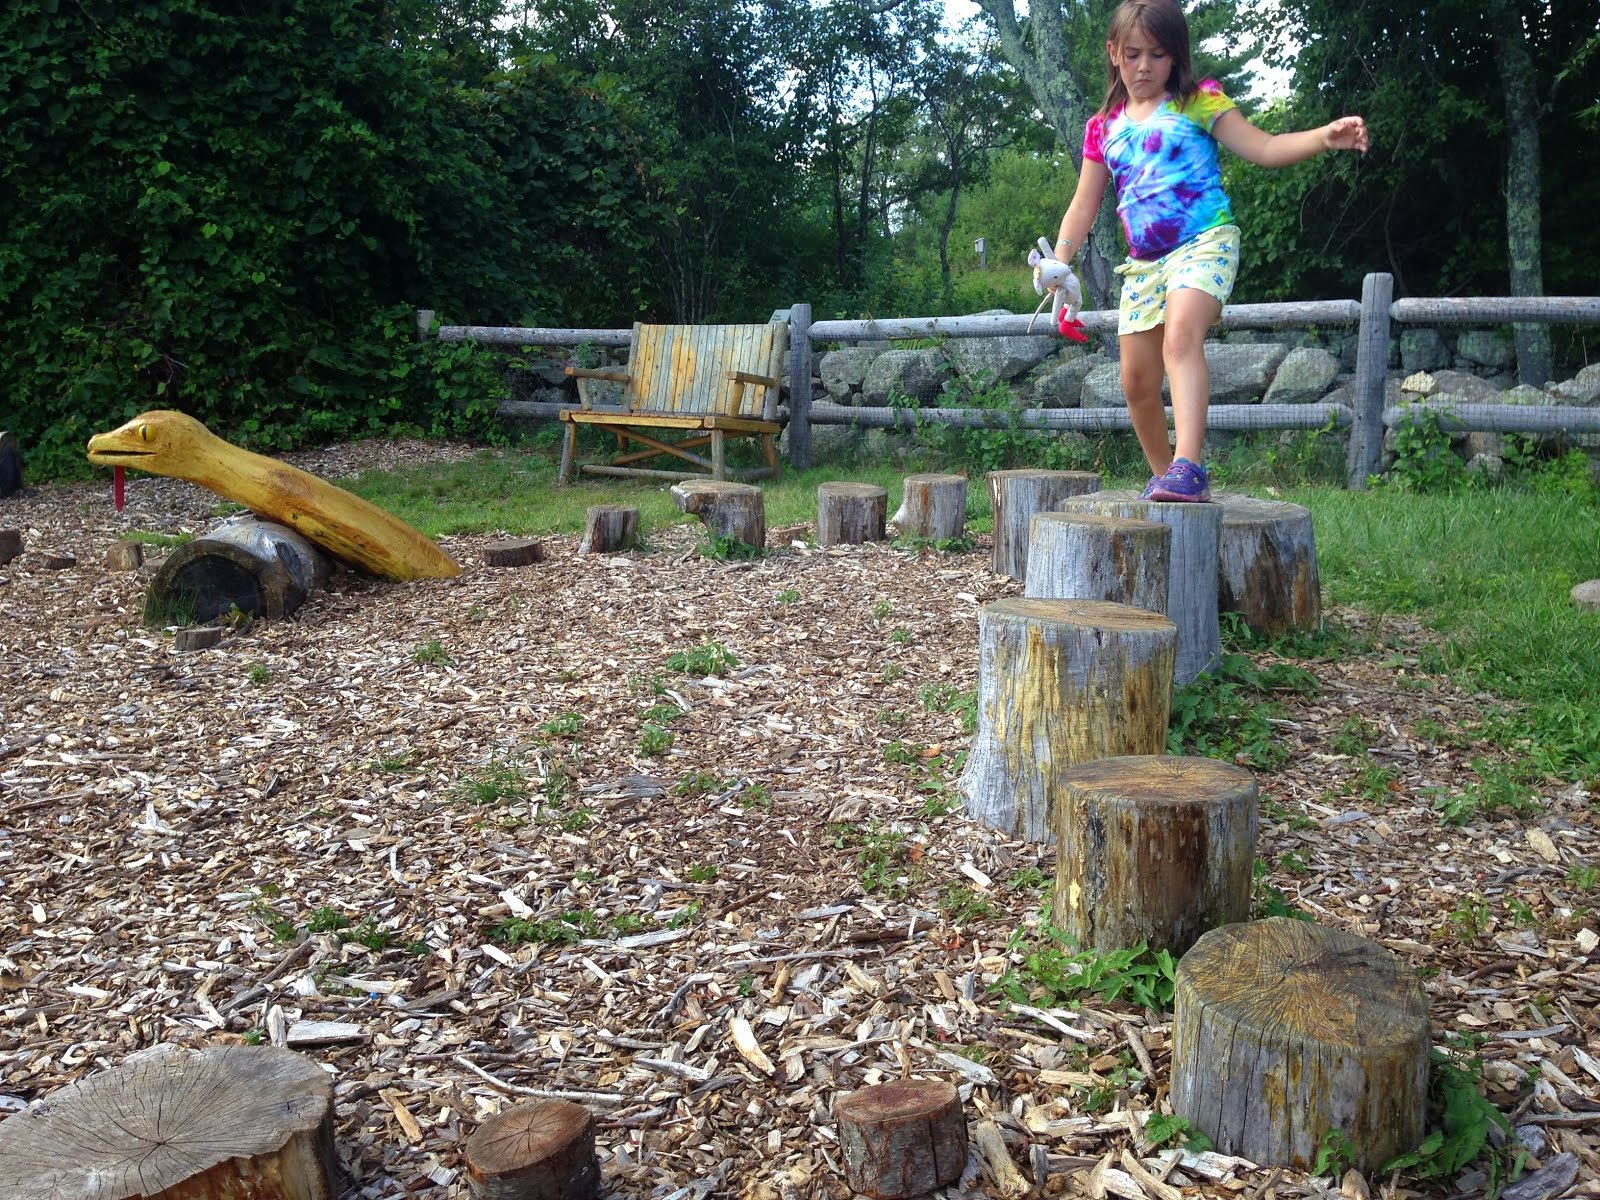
(1154, 849)
(609, 528)
(729, 510)
(1285, 1030)
(902, 1139)
(10, 545)
(1061, 682)
(261, 568)
(850, 513)
(513, 552)
(1085, 556)
(540, 1151)
(124, 556)
(10, 464)
(1267, 565)
(1014, 497)
(221, 1123)
(932, 507)
(1191, 570)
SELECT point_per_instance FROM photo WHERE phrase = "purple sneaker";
(1184, 483)
(1149, 488)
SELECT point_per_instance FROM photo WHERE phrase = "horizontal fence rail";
(1221, 416)
(1497, 310)
(1499, 418)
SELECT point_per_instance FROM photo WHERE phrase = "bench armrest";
(746, 377)
(595, 373)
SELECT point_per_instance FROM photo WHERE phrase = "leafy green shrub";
(708, 658)
(1053, 969)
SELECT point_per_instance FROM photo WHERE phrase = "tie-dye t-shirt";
(1169, 186)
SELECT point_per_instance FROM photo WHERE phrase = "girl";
(1156, 135)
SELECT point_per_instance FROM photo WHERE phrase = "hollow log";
(1061, 682)
(1285, 1030)
(728, 510)
(540, 1151)
(609, 528)
(1085, 556)
(902, 1139)
(1191, 570)
(1155, 849)
(10, 464)
(932, 507)
(1015, 496)
(1267, 565)
(214, 1124)
(850, 513)
(260, 568)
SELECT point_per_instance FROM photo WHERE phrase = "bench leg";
(569, 445)
(769, 447)
(719, 468)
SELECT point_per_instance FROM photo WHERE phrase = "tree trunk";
(1083, 556)
(215, 1124)
(933, 507)
(540, 1151)
(608, 528)
(1267, 565)
(729, 510)
(902, 1139)
(1285, 1030)
(1155, 850)
(1524, 191)
(850, 513)
(258, 567)
(1061, 682)
(1015, 496)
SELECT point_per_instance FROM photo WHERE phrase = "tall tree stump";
(1285, 1030)
(1191, 570)
(1085, 556)
(902, 1139)
(1061, 682)
(1267, 565)
(609, 528)
(261, 568)
(214, 1124)
(540, 1151)
(850, 513)
(10, 464)
(1014, 497)
(729, 510)
(1153, 849)
(932, 507)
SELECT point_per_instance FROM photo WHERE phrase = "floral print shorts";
(1208, 262)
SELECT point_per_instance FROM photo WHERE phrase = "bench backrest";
(686, 368)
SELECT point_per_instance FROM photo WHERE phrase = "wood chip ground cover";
(473, 840)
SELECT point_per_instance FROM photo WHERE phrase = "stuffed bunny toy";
(1054, 278)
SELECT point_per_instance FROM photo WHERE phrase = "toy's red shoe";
(1072, 330)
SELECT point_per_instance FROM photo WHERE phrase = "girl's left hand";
(1347, 133)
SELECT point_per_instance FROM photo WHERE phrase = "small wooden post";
(902, 1139)
(1191, 570)
(540, 1151)
(424, 324)
(1085, 556)
(800, 386)
(1285, 1030)
(226, 1121)
(1153, 849)
(1372, 364)
(1267, 565)
(608, 528)
(932, 506)
(735, 510)
(10, 464)
(259, 567)
(1061, 682)
(1015, 496)
(850, 513)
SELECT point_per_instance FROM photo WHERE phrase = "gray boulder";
(915, 374)
(984, 360)
(1583, 389)
(1305, 376)
(1486, 347)
(1523, 394)
(1491, 466)
(1240, 374)
(1060, 383)
(1422, 350)
(843, 371)
(1467, 388)
(1102, 387)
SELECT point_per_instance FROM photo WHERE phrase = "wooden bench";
(711, 382)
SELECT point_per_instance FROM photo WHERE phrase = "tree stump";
(124, 556)
(1585, 596)
(1153, 849)
(540, 1151)
(1014, 497)
(10, 545)
(1285, 1030)
(609, 528)
(729, 510)
(1084, 556)
(260, 568)
(902, 1139)
(212, 1124)
(850, 513)
(10, 464)
(514, 552)
(1191, 570)
(1267, 565)
(932, 507)
(1061, 682)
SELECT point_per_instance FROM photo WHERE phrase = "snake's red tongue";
(116, 487)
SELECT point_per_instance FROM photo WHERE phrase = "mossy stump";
(1267, 565)
(1285, 1030)
(1014, 497)
(1061, 682)
(1086, 556)
(539, 1151)
(728, 510)
(849, 514)
(1155, 849)
(904, 1138)
(933, 507)
(609, 528)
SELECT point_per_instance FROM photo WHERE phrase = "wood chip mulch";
(332, 832)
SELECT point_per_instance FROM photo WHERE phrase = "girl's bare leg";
(1190, 312)
(1141, 385)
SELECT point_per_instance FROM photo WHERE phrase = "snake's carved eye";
(144, 433)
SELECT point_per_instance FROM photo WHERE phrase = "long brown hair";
(1162, 21)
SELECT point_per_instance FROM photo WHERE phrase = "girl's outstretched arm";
(1079, 219)
(1283, 149)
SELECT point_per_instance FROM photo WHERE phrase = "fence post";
(800, 386)
(424, 323)
(1372, 365)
